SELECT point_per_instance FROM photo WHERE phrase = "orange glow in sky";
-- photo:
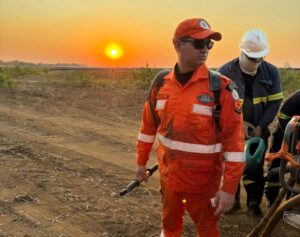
(80, 31)
(114, 51)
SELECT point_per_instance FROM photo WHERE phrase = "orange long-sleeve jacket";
(192, 148)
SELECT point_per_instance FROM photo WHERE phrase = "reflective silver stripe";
(235, 156)
(189, 147)
(160, 104)
(146, 138)
(202, 109)
(162, 234)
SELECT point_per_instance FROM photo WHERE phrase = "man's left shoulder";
(268, 66)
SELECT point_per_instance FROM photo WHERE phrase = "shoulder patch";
(205, 98)
(237, 106)
(235, 95)
(232, 87)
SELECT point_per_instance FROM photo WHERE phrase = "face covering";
(248, 66)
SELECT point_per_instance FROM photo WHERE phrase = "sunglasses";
(200, 44)
(255, 60)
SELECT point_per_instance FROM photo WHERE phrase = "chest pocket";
(160, 107)
(161, 101)
(160, 104)
(200, 120)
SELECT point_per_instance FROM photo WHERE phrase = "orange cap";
(196, 28)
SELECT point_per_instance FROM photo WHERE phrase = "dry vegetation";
(67, 146)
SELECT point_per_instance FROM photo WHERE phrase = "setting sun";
(114, 51)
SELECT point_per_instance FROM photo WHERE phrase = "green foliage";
(69, 78)
(290, 80)
(5, 80)
(101, 82)
(18, 71)
(142, 77)
(78, 80)
(112, 78)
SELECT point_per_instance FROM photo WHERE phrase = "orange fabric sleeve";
(232, 176)
(145, 142)
(232, 137)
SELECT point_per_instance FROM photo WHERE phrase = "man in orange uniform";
(193, 147)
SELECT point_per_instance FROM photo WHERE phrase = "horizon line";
(73, 65)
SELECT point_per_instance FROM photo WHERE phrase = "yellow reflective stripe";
(277, 96)
(241, 101)
(272, 184)
(247, 181)
(264, 99)
(283, 116)
(259, 100)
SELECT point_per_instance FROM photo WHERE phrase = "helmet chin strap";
(247, 66)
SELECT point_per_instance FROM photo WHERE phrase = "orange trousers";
(199, 208)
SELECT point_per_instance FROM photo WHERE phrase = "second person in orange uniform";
(194, 152)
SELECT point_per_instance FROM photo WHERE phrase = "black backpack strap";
(156, 84)
(215, 86)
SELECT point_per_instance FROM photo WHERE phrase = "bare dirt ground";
(65, 154)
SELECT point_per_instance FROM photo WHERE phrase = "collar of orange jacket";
(200, 73)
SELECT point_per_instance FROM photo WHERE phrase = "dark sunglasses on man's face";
(200, 44)
(255, 60)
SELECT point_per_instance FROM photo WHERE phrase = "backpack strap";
(215, 86)
(156, 84)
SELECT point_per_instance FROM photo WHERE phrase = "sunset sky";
(78, 31)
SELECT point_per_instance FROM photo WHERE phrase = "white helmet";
(254, 44)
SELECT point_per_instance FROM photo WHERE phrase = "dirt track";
(65, 153)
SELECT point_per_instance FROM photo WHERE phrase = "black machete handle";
(151, 170)
(135, 183)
